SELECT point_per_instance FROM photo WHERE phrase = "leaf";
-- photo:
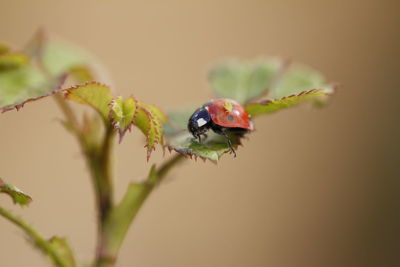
(148, 118)
(295, 79)
(56, 56)
(23, 85)
(59, 57)
(4, 48)
(212, 148)
(13, 60)
(177, 121)
(122, 114)
(269, 106)
(81, 73)
(17, 195)
(39, 71)
(161, 117)
(94, 94)
(63, 250)
(149, 121)
(244, 81)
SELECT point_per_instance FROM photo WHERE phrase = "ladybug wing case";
(230, 114)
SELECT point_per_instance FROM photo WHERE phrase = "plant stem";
(121, 217)
(113, 221)
(98, 158)
(99, 161)
(43, 244)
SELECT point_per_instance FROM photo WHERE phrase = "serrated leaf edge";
(115, 123)
(69, 90)
(19, 106)
(152, 119)
(327, 92)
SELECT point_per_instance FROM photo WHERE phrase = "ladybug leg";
(230, 146)
(229, 143)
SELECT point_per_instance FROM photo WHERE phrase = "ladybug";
(224, 116)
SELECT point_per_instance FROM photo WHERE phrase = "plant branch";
(99, 161)
(121, 217)
(98, 158)
(40, 242)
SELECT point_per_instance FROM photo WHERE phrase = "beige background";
(310, 188)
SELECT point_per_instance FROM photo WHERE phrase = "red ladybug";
(224, 116)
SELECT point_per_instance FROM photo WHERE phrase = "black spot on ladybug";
(230, 117)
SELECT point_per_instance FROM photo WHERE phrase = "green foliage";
(262, 87)
(13, 60)
(122, 114)
(17, 195)
(4, 48)
(63, 251)
(42, 67)
(244, 81)
(177, 121)
(93, 94)
(269, 106)
(296, 78)
(39, 70)
(150, 121)
(212, 148)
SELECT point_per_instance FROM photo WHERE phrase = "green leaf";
(212, 148)
(63, 250)
(244, 81)
(295, 79)
(149, 121)
(20, 84)
(122, 114)
(81, 74)
(13, 60)
(158, 114)
(39, 71)
(93, 94)
(269, 106)
(177, 121)
(17, 195)
(4, 48)
(60, 57)
(56, 56)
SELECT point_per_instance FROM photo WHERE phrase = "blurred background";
(311, 187)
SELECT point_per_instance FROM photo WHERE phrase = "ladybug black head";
(199, 122)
